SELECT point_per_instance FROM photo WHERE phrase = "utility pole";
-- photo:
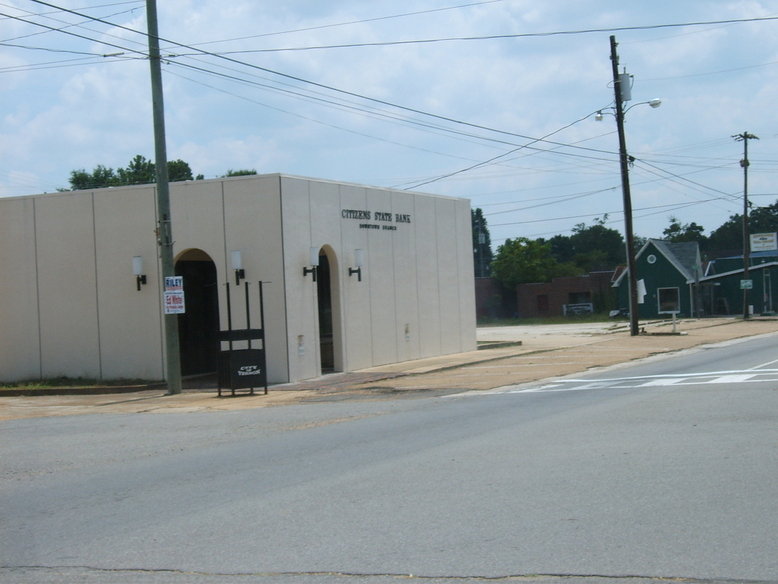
(624, 161)
(745, 137)
(481, 241)
(164, 229)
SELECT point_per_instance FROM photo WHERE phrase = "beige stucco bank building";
(394, 280)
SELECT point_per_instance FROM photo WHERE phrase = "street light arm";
(654, 103)
(600, 113)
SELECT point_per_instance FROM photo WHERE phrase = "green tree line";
(596, 247)
(139, 171)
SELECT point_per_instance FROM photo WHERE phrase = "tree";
(727, 239)
(482, 244)
(562, 248)
(590, 247)
(178, 170)
(677, 232)
(640, 241)
(597, 247)
(522, 260)
(139, 171)
(241, 172)
(100, 177)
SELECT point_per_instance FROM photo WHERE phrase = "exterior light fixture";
(137, 271)
(359, 261)
(314, 261)
(599, 115)
(237, 266)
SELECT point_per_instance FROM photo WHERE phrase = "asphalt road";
(668, 469)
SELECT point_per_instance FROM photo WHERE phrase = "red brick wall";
(488, 298)
(557, 293)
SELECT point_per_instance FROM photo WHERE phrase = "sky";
(494, 100)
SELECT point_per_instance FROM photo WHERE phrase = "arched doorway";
(328, 291)
(198, 328)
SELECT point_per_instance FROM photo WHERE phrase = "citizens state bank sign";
(382, 220)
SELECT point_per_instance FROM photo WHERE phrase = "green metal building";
(722, 287)
(667, 275)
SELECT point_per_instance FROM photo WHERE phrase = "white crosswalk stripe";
(704, 378)
(661, 382)
(731, 378)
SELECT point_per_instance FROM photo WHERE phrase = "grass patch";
(70, 382)
(597, 317)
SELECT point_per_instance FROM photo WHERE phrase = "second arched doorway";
(328, 292)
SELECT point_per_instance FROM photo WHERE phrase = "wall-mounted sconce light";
(237, 266)
(137, 271)
(359, 261)
(314, 260)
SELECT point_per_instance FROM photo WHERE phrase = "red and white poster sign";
(173, 299)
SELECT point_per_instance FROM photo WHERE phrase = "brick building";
(566, 295)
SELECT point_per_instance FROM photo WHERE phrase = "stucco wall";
(19, 322)
(239, 214)
(72, 308)
(416, 297)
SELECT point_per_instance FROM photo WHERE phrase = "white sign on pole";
(173, 298)
(764, 241)
(641, 291)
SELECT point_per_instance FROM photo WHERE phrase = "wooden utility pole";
(627, 196)
(745, 137)
(164, 228)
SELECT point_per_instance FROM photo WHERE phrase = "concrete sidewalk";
(510, 356)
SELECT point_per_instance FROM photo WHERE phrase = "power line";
(382, 115)
(173, 60)
(660, 172)
(344, 105)
(393, 105)
(689, 181)
(57, 64)
(532, 139)
(493, 159)
(46, 49)
(616, 212)
(560, 199)
(288, 76)
(362, 21)
(314, 120)
(508, 36)
(67, 24)
(372, 112)
(63, 31)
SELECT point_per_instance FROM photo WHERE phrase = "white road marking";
(674, 380)
(732, 378)
(663, 381)
(764, 364)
